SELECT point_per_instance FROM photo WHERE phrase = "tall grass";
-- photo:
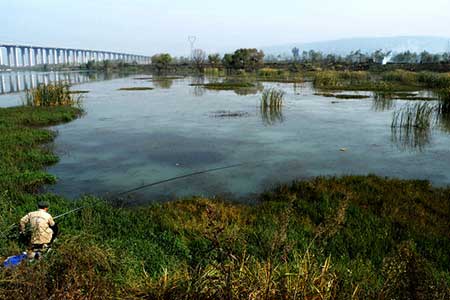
(51, 95)
(400, 76)
(417, 115)
(272, 99)
(411, 126)
(271, 106)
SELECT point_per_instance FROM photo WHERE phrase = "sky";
(154, 26)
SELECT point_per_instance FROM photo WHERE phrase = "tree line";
(250, 59)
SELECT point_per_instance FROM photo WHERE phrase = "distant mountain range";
(367, 45)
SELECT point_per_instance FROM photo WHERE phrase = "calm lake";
(132, 138)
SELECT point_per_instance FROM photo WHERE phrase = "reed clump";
(271, 106)
(51, 95)
(417, 115)
(272, 99)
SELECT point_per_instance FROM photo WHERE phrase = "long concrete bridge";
(18, 56)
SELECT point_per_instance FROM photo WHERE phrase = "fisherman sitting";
(43, 230)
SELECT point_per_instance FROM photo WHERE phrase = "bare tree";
(199, 59)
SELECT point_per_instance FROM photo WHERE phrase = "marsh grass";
(136, 89)
(417, 115)
(271, 106)
(398, 80)
(229, 85)
(51, 95)
(342, 96)
(277, 75)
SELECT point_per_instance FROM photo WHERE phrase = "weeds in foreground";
(51, 95)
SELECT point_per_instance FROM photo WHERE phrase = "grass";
(271, 106)
(139, 88)
(228, 85)
(51, 95)
(277, 75)
(394, 81)
(418, 115)
(353, 237)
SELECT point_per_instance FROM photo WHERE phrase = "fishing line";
(145, 186)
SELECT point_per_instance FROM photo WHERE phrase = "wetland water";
(131, 138)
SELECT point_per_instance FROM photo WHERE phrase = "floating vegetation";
(137, 88)
(229, 114)
(228, 85)
(328, 95)
(143, 78)
(342, 96)
(271, 106)
(51, 95)
(78, 92)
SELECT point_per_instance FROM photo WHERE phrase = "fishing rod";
(145, 186)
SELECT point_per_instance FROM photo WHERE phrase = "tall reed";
(417, 115)
(271, 106)
(272, 99)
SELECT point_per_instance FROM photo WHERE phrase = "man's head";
(43, 205)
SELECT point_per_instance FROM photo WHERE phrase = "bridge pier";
(30, 56)
(17, 56)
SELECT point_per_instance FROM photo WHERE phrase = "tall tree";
(199, 59)
(161, 61)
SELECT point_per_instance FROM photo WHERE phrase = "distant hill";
(369, 45)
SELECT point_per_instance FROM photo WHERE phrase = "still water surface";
(131, 138)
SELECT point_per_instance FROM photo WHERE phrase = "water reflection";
(411, 138)
(14, 82)
(257, 88)
(271, 115)
(162, 82)
(197, 84)
(382, 102)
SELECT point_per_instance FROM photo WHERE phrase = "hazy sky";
(151, 26)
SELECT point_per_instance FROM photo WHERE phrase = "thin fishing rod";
(153, 184)
(142, 187)
(179, 177)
